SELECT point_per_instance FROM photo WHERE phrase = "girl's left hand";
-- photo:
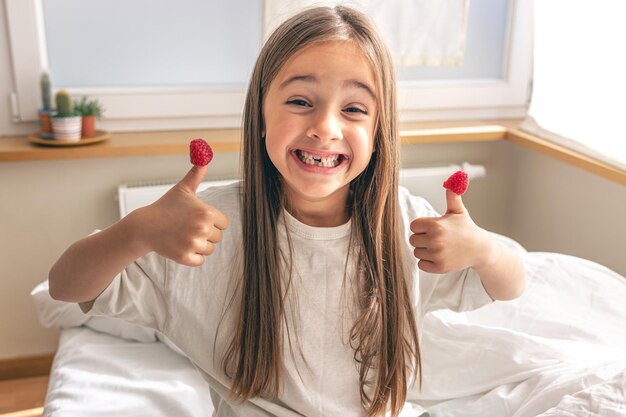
(451, 242)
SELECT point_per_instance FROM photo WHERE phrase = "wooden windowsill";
(18, 148)
(564, 154)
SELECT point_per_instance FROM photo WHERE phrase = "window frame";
(140, 108)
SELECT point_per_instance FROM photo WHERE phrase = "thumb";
(192, 180)
(454, 203)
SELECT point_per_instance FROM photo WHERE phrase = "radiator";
(424, 181)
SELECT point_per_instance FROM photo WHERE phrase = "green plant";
(44, 84)
(89, 107)
(65, 104)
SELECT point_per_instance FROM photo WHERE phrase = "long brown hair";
(384, 336)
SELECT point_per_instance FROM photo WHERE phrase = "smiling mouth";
(326, 161)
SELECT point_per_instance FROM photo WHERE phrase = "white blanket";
(560, 347)
(559, 350)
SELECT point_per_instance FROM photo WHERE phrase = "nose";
(325, 126)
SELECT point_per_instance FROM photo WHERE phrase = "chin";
(316, 192)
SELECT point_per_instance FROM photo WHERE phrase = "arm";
(501, 271)
(89, 265)
(178, 226)
(454, 242)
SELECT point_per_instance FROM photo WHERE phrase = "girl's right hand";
(179, 225)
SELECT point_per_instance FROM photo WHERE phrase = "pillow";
(54, 313)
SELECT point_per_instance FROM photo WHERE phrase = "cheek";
(364, 136)
(278, 140)
(280, 134)
(362, 145)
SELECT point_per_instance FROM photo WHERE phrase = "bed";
(559, 350)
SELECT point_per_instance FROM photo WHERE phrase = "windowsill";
(121, 144)
(567, 155)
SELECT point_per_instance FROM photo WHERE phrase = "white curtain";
(418, 32)
(579, 82)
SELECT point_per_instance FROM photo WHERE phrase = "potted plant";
(90, 110)
(67, 122)
(45, 113)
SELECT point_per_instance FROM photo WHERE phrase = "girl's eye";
(353, 109)
(299, 102)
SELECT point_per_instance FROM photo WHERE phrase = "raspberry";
(457, 182)
(200, 152)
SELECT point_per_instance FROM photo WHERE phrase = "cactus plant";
(65, 104)
(45, 112)
(44, 84)
(67, 123)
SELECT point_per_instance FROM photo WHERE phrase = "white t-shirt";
(320, 378)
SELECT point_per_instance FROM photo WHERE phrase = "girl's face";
(320, 113)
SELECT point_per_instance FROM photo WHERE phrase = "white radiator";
(425, 181)
(135, 195)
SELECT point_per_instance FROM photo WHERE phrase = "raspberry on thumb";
(200, 153)
(457, 182)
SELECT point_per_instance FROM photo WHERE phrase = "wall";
(560, 208)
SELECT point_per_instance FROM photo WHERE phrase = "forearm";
(502, 274)
(88, 266)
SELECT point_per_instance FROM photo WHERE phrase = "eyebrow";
(311, 78)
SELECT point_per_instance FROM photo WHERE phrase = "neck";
(329, 211)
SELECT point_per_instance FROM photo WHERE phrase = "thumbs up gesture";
(451, 242)
(179, 225)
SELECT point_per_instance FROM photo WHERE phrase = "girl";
(298, 290)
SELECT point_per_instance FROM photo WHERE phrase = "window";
(191, 62)
(578, 92)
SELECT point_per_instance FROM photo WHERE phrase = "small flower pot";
(45, 124)
(89, 127)
(67, 129)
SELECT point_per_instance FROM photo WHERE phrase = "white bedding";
(560, 347)
(97, 374)
(559, 350)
